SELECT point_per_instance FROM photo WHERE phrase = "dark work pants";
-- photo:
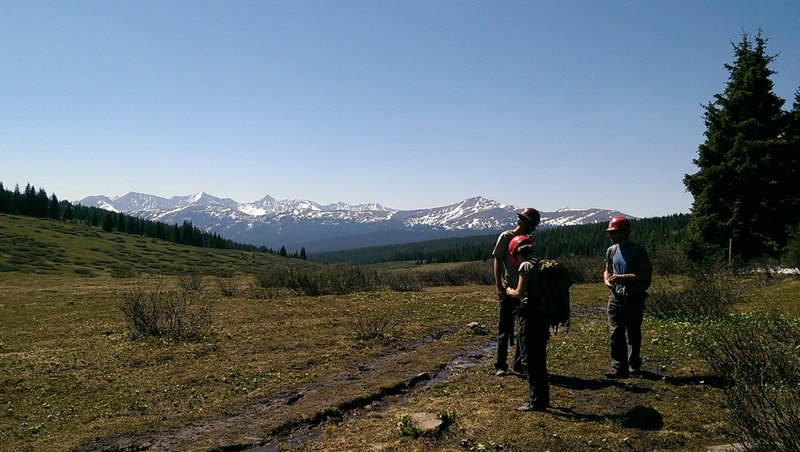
(534, 332)
(625, 313)
(505, 331)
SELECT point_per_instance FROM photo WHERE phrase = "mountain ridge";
(299, 223)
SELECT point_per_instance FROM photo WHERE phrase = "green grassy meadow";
(73, 377)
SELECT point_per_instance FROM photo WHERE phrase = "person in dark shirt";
(505, 275)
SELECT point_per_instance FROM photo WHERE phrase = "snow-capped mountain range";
(297, 223)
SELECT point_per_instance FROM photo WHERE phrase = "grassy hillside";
(43, 246)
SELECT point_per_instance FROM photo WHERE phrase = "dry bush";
(336, 279)
(275, 278)
(259, 292)
(175, 314)
(122, 272)
(402, 281)
(583, 269)
(668, 260)
(760, 357)
(705, 294)
(190, 282)
(468, 273)
(85, 272)
(374, 326)
(228, 287)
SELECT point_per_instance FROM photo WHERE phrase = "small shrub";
(83, 271)
(402, 281)
(176, 314)
(406, 427)
(122, 272)
(338, 279)
(222, 272)
(378, 326)
(760, 357)
(704, 295)
(228, 287)
(448, 418)
(478, 329)
(273, 279)
(259, 292)
(669, 260)
(583, 269)
(190, 282)
(468, 273)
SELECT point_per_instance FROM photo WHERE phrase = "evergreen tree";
(16, 200)
(27, 204)
(737, 187)
(41, 204)
(108, 222)
(66, 210)
(5, 202)
(791, 253)
(53, 208)
(303, 253)
(282, 252)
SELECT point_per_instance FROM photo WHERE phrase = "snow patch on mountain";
(295, 222)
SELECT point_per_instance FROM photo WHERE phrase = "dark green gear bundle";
(556, 282)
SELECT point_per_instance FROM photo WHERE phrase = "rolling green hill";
(46, 246)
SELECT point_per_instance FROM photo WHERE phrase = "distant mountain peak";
(296, 223)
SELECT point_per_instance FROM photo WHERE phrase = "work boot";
(617, 374)
(533, 406)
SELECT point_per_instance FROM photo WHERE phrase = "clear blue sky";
(411, 103)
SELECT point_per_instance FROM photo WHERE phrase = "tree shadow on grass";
(638, 417)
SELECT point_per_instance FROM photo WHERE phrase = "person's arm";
(498, 277)
(645, 274)
(522, 285)
(608, 275)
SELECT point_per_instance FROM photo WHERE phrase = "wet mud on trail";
(296, 416)
(405, 391)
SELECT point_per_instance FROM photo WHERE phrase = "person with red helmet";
(505, 275)
(534, 328)
(627, 274)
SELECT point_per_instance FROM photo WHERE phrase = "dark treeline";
(589, 240)
(36, 203)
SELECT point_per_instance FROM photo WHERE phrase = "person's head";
(618, 229)
(520, 248)
(528, 220)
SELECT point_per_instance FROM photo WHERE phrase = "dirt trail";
(294, 417)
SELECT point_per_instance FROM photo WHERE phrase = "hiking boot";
(533, 406)
(501, 373)
(635, 370)
(617, 374)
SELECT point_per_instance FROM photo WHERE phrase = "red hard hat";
(515, 243)
(618, 223)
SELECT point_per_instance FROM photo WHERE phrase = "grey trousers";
(625, 314)
(505, 334)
